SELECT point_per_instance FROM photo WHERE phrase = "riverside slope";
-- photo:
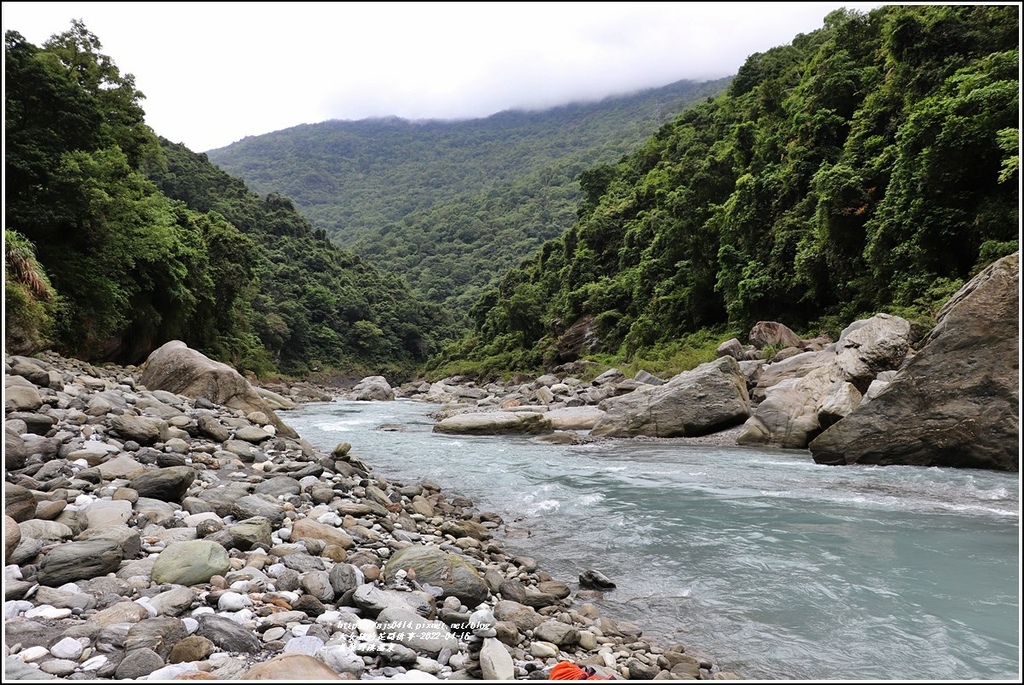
(152, 535)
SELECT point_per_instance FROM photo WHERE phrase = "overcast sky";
(213, 73)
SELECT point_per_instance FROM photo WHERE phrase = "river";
(771, 565)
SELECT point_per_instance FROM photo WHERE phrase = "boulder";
(956, 402)
(73, 561)
(454, 575)
(574, 418)
(176, 368)
(703, 400)
(495, 423)
(815, 389)
(373, 388)
(190, 562)
(788, 416)
(772, 334)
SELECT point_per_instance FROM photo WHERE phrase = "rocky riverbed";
(190, 535)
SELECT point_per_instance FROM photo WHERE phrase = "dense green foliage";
(315, 303)
(869, 165)
(30, 302)
(449, 205)
(139, 241)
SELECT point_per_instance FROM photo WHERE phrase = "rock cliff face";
(956, 402)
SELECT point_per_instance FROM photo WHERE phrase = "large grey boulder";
(956, 402)
(454, 575)
(815, 389)
(190, 563)
(373, 388)
(73, 561)
(574, 418)
(176, 368)
(495, 423)
(704, 400)
(772, 334)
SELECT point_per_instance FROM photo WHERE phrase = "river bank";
(152, 535)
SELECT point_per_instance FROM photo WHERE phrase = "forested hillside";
(449, 205)
(870, 165)
(117, 241)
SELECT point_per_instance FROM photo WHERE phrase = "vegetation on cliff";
(870, 165)
(450, 205)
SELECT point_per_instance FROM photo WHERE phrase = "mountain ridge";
(391, 188)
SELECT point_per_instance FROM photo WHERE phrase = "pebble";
(251, 605)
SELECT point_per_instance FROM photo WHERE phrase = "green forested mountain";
(449, 205)
(117, 241)
(869, 165)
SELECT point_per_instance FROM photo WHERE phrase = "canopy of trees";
(869, 165)
(118, 241)
(449, 205)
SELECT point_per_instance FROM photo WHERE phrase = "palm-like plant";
(21, 265)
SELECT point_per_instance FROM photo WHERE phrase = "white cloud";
(214, 73)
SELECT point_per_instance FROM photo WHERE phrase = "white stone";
(233, 601)
(94, 663)
(148, 606)
(425, 665)
(330, 519)
(67, 648)
(47, 612)
(30, 654)
(341, 658)
(16, 608)
(367, 627)
(171, 672)
(495, 661)
(414, 675)
(307, 644)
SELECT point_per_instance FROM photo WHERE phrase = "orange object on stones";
(566, 670)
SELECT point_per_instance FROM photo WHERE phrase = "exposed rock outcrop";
(955, 403)
(177, 368)
(813, 390)
(703, 400)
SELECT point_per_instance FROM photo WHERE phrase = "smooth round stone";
(543, 650)
(173, 671)
(273, 634)
(233, 601)
(304, 645)
(31, 654)
(94, 663)
(47, 612)
(16, 608)
(58, 667)
(67, 648)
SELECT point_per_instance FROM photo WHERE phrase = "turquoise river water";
(771, 565)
